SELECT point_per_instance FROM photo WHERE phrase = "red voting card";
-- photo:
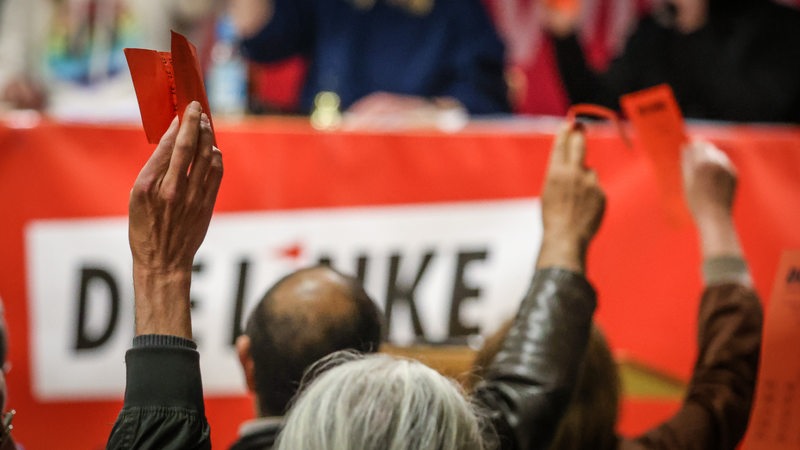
(165, 84)
(775, 419)
(591, 110)
(660, 131)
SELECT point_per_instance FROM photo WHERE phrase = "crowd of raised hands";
(378, 401)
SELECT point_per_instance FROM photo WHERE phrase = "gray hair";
(381, 402)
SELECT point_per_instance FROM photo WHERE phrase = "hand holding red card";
(165, 84)
(597, 111)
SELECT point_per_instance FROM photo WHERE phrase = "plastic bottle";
(227, 77)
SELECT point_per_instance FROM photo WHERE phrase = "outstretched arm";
(530, 382)
(717, 405)
(170, 208)
(169, 212)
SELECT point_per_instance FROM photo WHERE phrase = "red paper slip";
(775, 420)
(165, 84)
(597, 111)
(660, 131)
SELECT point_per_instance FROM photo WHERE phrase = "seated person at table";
(406, 52)
(735, 60)
(306, 315)
(59, 55)
(717, 405)
(169, 213)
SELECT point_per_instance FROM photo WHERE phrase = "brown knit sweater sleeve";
(717, 406)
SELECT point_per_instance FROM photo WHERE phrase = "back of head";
(305, 316)
(590, 419)
(380, 402)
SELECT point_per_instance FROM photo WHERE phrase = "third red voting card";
(775, 419)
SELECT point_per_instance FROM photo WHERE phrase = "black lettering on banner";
(462, 292)
(238, 312)
(361, 269)
(396, 292)
(197, 268)
(83, 339)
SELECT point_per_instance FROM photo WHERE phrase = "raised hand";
(709, 180)
(169, 212)
(572, 203)
(709, 183)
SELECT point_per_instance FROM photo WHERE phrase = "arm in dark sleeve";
(585, 85)
(530, 383)
(479, 62)
(289, 32)
(717, 405)
(163, 398)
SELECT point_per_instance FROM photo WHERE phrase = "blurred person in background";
(382, 56)
(59, 55)
(717, 405)
(736, 60)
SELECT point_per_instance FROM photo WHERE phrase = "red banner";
(646, 269)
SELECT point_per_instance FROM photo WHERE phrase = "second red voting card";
(660, 132)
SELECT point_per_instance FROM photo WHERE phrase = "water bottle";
(227, 77)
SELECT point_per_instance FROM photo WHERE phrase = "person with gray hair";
(410, 406)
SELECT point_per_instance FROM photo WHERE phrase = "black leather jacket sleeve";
(529, 385)
(163, 398)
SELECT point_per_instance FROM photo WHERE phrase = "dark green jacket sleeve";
(529, 384)
(163, 398)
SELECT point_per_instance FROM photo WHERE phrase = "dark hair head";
(591, 416)
(305, 316)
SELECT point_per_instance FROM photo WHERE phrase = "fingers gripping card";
(165, 84)
(596, 111)
(775, 418)
(658, 122)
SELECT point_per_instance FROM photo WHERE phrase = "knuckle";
(216, 161)
(170, 195)
(142, 188)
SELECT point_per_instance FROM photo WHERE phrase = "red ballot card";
(165, 84)
(591, 110)
(660, 131)
(775, 419)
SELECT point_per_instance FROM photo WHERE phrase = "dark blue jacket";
(453, 50)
